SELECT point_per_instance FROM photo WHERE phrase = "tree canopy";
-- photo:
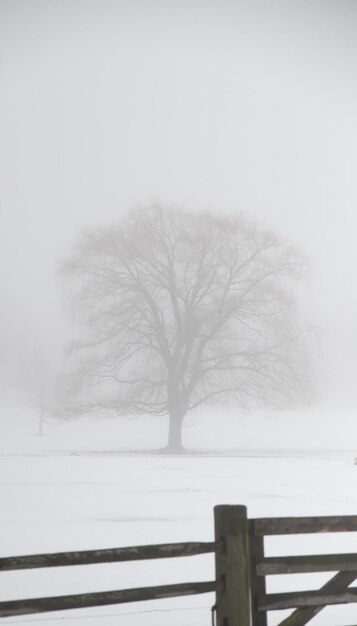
(178, 309)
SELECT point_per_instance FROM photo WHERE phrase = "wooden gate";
(306, 603)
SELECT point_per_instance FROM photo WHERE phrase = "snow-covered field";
(57, 497)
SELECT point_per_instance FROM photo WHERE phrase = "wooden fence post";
(233, 596)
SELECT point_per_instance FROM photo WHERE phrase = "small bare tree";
(182, 309)
(35, 382)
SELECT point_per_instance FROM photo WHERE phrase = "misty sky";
(230, 106)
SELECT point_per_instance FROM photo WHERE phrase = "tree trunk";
(175, 409)
(174, 442)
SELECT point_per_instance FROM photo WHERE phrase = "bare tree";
(182, 309)
(35, 382)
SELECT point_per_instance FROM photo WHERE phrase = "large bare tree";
(179, 309)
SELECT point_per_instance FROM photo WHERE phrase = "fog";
(228, 106)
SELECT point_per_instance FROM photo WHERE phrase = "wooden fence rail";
(85, 600)
(240, 571)
(113, 555)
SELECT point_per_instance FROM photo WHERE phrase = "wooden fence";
(241, 568)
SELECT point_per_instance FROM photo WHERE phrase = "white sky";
(209, 104)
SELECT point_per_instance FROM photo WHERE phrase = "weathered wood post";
(233, 596)
(258, 586)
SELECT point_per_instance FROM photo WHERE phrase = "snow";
(65, 492)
